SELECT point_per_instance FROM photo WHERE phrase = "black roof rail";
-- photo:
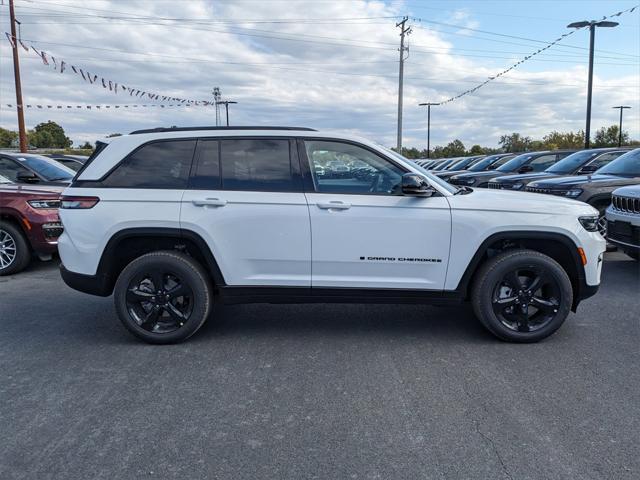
(188, 129)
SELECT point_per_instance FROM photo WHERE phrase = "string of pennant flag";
(62, 66)
(523, 60)
(99, 107)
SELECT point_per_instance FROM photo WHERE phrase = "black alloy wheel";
(526, 299)
(521, 295)
(163, 297)
(159, 301)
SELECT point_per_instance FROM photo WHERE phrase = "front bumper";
(623, 229)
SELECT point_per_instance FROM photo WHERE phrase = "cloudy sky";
(326, 64)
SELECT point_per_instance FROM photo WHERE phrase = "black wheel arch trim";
(103, 282)
(582, 290)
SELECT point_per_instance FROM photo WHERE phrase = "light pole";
(592, 31)
(428, 105)
(621, 107)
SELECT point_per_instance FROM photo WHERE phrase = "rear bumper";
(91, 284)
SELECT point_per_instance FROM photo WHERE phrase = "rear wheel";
(163, 297)
(522, 295)
(14, 249)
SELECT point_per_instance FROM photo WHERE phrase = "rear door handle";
(334, 205)
(209, 202)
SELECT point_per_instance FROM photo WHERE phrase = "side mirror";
(588, 169)
(27, 177)
(416, 185)
(525, 169)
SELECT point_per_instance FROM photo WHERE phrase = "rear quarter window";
(162, 164)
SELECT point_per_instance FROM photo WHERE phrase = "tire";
(15, 253)
(504, 284)
(163, 297)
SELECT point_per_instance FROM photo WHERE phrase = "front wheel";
(163, 297)
(14, 249)
(522, 295)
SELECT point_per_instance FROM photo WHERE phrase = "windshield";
(573, 162)
(443, 165)
(432, 178)
(515, 163)
(45, 167)
(485, 162)
(461, 164)
(627, 164)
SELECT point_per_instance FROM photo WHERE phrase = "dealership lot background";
(319, 391)
(334, 391)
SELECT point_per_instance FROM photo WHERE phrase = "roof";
(190, 129)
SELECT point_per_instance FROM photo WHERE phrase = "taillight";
(78, 202)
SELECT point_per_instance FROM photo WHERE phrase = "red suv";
(29, 224)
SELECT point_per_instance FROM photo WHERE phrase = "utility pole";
(621, 107)
(592, 34)
(404, 30)
(428, 105)
(22, 133)
(226, 104)
(217, 95)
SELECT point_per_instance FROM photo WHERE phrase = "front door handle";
(334, 205)
(209, 202)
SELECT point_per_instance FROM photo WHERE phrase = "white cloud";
(346, 81)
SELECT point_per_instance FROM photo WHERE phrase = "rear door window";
(206, 173)
(262, 165)
(163, 164)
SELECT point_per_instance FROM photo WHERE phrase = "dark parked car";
(524, 163)
(582, 162)
(595, 189)
(444, 164)
(463, 163)
(29, 224)
(74, 162)
(34, 169)
(490, 162)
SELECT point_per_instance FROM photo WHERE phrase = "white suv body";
(271, 237)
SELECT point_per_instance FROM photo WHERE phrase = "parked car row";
(591, 176)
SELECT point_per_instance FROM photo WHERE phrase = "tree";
(476, 150)
(49, 135)
(515, 142)
(86, 146)
(7, 138)
(454, 149)
(608, 137)
(556, 140)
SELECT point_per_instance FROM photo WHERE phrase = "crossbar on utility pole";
(621, 107)
(404, 30)
(226, 104)
(22, 133)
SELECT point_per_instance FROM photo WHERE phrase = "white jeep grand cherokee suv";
(171, 220)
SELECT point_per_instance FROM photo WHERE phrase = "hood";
(524, 177)
(49, 190)
(448, 173)
(524, 202)
(568, 182)
(632, 191)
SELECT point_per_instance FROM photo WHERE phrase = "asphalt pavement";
(316, 391)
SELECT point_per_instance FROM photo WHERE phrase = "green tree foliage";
(514, 142)
(7, 138)
(48, 135)
(454, 149)
(476, 150)
(608, 137)
(556, 140)
(86, 146)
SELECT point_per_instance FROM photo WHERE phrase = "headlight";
(466, 181)
(573, 193)
(590, 223)
(44, 203)
(517, 186)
